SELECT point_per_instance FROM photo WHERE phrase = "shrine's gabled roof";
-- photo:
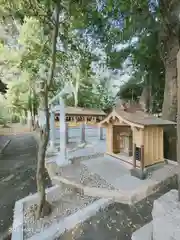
(80, 111)
(134, 115)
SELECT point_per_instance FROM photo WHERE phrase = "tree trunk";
(170, 92)
(169, 110)
(75, 99)
(145, 98)
(75, 92)
(29, 119)
(44, 207)
(33, 109)
(178, 121)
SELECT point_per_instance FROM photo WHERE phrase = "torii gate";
(62, 158)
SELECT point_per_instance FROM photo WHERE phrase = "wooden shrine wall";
(109, 138)
(138, 136)
(153, 145)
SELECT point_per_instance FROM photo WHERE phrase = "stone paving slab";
(89, 150)
(118, 175)
(109, 169)
(128, 183)
(79, 174)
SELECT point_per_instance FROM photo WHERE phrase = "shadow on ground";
(117, 221)
(17, 176)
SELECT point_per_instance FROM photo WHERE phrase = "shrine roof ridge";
(79, 111)
(143, 118)
(136, 116)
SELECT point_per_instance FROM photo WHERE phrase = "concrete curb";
(56, 229)
(69, 223)
(17, 228)
(5, 146)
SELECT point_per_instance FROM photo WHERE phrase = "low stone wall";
(165, 224)
(166, 217)
(121, 196)
(82, 158)
(17, 228)
(115, 195)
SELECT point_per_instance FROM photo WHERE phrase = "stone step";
(115, 195)
(80, 174)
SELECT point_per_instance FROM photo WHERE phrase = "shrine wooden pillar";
(109, 139)
(67, 133)
(130, 151)
(83, 132)
(101, 137)
(142, 158)
(75, 119)
(134, 155)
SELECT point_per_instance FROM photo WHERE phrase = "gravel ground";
(79, 173)
(68, 203)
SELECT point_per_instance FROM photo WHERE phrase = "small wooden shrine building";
(135, 136)
(77, 114)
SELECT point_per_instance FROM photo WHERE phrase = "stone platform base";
(166, 220)
(144, 233)
(138, 173)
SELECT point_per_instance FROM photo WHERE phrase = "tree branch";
(46, 17)
(165, 9)
(54, 43)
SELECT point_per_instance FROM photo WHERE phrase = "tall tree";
(127, 21)
(52, 15)
(44, 206)
(34, 52)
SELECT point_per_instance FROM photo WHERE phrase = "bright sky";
(116, 79)
(100, 68)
